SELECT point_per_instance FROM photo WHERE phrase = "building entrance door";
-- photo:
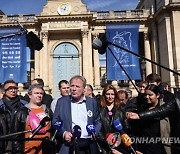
(66, 64)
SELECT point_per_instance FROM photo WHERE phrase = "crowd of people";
(110, 122)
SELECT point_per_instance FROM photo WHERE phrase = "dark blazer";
(63, 112)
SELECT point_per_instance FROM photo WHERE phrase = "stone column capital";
(85, 33)
(146, 36)
(44, 34)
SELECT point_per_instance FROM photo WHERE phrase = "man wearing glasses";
(9, 104)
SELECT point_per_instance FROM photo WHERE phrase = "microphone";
(24, 30)
(57, 126)
(14, 134)
(100, 44)
(124, 137)
(97, 44)
(41, 125)
(92, 130)
(76, 131)
(113, 139)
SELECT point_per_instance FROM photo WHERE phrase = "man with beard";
(9, 104)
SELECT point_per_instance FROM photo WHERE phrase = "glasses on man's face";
(11, 88)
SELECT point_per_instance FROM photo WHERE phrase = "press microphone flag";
(124, 137)
(41, 125)
(117, 124)
(92, 130)
(57, 126)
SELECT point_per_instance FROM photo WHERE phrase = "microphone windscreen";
(97, 44)
(34, 121)
(76, 131)
(90, 128)
(58, 125)
(44, 120)
(117, 124)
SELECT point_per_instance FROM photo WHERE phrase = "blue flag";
(126, 36)
(13, 60)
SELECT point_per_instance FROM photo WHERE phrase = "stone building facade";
(67, 30)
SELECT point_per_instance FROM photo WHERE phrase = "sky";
(10, 7)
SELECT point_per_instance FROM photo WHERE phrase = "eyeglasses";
(11, 88)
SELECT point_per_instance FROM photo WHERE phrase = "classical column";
(170, 51)
(44, 65)
(86, 58)
(37, 62)
(96, 66)
(147, 53)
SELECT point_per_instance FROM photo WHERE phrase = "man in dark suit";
(76, 109)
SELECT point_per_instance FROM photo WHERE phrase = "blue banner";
(126, 36)
(13, 60)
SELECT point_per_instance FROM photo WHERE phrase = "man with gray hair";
(76, 109)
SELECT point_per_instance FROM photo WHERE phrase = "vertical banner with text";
(13, 60)
(126, 36)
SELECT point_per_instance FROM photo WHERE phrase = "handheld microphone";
(41, 125)
(57, 126)
(92, 130)
(76, 131)
(124, 137)
(113, 139)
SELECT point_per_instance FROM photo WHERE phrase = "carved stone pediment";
(64, 7)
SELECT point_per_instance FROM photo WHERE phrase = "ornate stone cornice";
(66, 17)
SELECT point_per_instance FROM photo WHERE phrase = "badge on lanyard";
(89, 113)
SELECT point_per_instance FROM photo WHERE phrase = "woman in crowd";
(154, 128)
(109, 111)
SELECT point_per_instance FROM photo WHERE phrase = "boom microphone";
(14, 134)
(100, 44)
(41, 125)
(124, 137)
(97, 44)
(24, 30)
(92, 130)
(57, 126)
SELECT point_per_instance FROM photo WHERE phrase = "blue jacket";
(63, 112)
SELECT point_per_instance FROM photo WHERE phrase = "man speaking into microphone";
(76, 109)
(34, 116)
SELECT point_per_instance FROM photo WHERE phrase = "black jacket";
(7, 120)
(170, 109)
(20, 123)
(3, 130)
(108, 127)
